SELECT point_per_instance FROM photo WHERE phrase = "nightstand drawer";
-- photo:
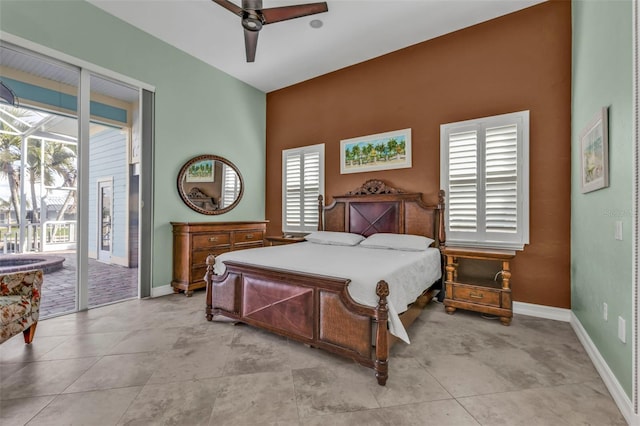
(482, 295)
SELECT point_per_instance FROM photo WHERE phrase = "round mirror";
(210, 184)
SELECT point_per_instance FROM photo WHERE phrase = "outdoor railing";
(58, 235)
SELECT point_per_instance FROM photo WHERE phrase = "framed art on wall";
(594, 153)
(382, 151)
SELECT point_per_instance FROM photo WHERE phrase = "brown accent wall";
(520, 61)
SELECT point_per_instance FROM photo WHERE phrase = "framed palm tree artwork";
(382, 151)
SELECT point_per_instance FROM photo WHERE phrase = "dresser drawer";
(201, 241)
(193, 242)
(474, 294)
(199, 257)
(242, 237)
(257, 244)
(197, 274)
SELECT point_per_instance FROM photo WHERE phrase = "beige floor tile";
(539, 366)
(180, 403)
(44, 378)
(255, 399)
(440, 413)
(84, 345)
(465, 375)
(437, 333)
(204, 361)
(96, 408)
(256, 351)
(15, 350)
(585, 403)
(116, 371)
(174, 367)
(17, 412)
(148, 340)
(8, 369)
(408, 383)
(321, 391)
(578, 404)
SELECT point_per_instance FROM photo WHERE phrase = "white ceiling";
(291, 51)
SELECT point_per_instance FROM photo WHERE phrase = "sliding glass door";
(70, 179)
(112, 192)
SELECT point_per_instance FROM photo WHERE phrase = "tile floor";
(159, 362)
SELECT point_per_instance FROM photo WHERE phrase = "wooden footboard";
(311, 309)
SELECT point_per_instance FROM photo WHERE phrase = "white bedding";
(408, 273)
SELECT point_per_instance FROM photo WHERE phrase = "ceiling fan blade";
(250, 44)
(232, 7)
(277, 14)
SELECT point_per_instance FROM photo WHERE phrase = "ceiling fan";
(254, 17)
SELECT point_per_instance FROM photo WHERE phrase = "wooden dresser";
(194, 241)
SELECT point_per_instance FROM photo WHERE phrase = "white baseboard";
(617, 393)
(541, 311)
(161, 291)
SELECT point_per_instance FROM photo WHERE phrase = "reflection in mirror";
(210, 184)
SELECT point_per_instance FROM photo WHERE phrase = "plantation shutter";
(484, 171)
(230, 186)
(501, 178)
(311, 184)
(303, 181)
(463, 181)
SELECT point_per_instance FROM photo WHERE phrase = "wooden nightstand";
(278, 240)
(490, 294)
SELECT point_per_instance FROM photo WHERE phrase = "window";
(484, 170)
(302, 182)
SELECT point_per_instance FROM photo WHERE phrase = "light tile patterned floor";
(158, 361)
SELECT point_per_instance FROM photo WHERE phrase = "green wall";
(601, 266)
(199, 109)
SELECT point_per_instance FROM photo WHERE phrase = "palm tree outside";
(50, 163)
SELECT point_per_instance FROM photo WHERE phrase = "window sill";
(486, 244)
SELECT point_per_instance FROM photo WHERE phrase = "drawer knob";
(213, 239)
(248, 236)
(476, 295)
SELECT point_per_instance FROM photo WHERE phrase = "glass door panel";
(113, 193)
(39, 170)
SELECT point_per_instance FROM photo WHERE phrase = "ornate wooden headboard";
(376, 207)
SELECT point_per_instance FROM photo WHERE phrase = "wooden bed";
(318, 310)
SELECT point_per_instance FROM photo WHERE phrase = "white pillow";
(334, 238)
(397, 242)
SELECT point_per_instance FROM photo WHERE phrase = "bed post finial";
(208, 278)
(320, 210)
(382, 345)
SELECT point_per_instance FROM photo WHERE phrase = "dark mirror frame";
(188, 198)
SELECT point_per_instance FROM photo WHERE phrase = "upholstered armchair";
(19, 304)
